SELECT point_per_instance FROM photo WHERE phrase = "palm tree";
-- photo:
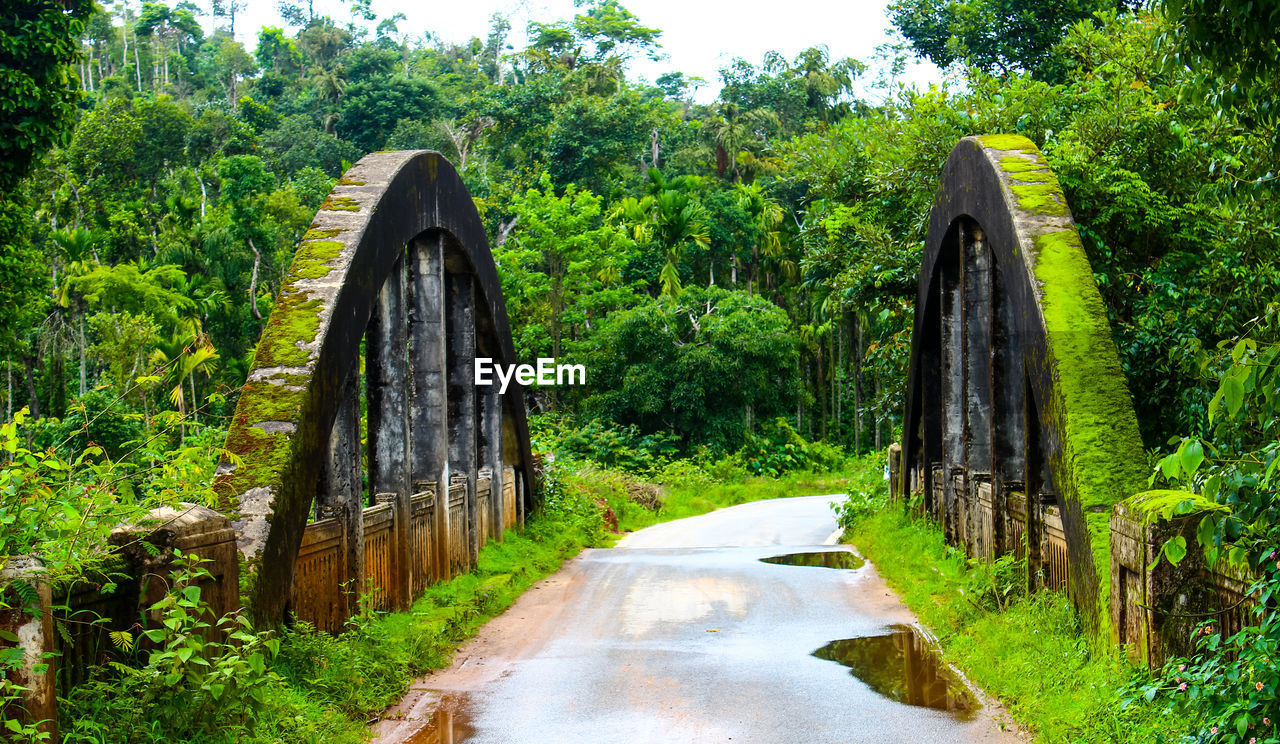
(76, 247)
(766, 217)
(733, 129)
(181, 358)
(679, 222)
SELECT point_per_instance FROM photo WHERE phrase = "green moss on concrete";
(318, 234)
(262, 454)
(1101, 426)
(1015, 164)
(344, 181)
(294, 320)
(1102, 457)
(340, 203)
(312, 259)
(1009, 142)
(1042, 198)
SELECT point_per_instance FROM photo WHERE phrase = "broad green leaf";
(1233, 394)
(1192, 455)
(1175, 549)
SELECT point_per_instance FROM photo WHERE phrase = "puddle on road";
(902, 665)
(450, 724)
(818, 559)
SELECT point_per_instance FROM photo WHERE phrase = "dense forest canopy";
(147, 245)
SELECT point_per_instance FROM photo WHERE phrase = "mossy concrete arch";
(1014, 374)
(311, 343)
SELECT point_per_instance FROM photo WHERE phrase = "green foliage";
(1027, 650)
(695, 365)
(608, 445)
(38, 43)
(994, 35)
(1229, 480)
(1231, 53)
(201, 679)
(778, 449)
(95, 419)
(60, 510)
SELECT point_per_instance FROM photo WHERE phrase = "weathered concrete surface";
(1082, 450)
(309, 345)
(681, 634)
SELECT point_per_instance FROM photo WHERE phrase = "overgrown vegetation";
(738, 275)
(1027, 649)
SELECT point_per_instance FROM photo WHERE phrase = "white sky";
(698, 37)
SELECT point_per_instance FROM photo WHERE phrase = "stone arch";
(1017, 408)
(397, 259)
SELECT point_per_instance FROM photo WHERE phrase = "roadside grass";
(327, 687)
(694, 493)
(1032, 654)
(369, 666)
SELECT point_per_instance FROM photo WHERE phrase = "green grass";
(688, 492)
(1033, 655)
(329, 686)
(370, 666)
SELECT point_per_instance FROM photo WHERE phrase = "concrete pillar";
(930, 395)
(33, 627)
(460, 359)
(951, 340)
(491, 451)
(429, 433)
(341, 492)
(1009, 403)
(387, 381)
(977, 360)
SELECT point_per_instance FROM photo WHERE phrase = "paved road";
(682, 634)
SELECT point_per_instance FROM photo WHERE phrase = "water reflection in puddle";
(818, 559)
(902, 665)
(450, 724)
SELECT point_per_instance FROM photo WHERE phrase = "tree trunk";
(195, 409)
(253, 280)
(800, 397)
(137, 64)
(876, 417)
(857, 385)
(820, 388)
(33, 400)
(84, 387)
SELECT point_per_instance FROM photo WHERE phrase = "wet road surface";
(682, 633)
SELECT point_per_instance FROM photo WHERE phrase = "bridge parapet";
(367, 361)
(1018, 426)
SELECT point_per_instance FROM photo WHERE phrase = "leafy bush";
(778, 449)
(95, 418)
(609, 445)
(1230, 685)
(206, 678)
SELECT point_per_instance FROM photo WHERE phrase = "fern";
(122, 639)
